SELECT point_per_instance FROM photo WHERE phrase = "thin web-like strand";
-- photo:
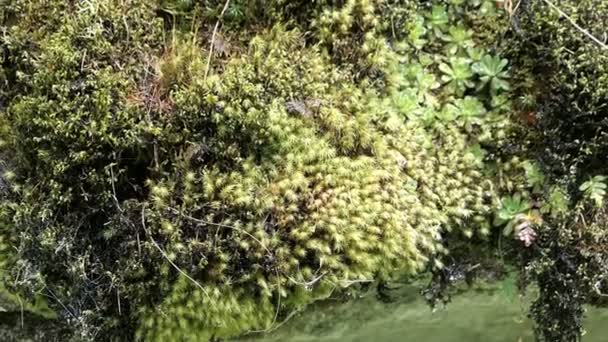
(164, 254)
(578, 27)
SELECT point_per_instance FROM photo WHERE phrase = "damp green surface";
(482, 314)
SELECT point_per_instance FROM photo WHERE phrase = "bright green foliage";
(511, 209)
(343, 190)
(595, 189)
(416, 31)
(467, 111)
(492, 72)
(438, 19)
(534, 176)
(457, 74)
(459, 39)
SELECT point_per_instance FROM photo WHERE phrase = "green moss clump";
(564, 79)
(66, 121)
(293, 182)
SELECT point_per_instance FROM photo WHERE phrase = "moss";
(163, 191)
(563, 76)
(562, 89)
(66, 121)
(275, 199)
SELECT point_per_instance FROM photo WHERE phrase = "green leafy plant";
(492, 72)
(595, 189)
(471, 110)
(417, 32)
(534, 176)
(459, 39)
(437, 19)
(457, 75)
(510, 210)
(426, 83)
(557, 203)
(406, 102)
(475, 53)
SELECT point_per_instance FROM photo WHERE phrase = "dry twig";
(217, 26)
(578, 27)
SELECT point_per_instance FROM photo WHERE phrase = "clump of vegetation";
(65, 121)
(172, 170)
(562, 84)
(152, 180)
(564, 70)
